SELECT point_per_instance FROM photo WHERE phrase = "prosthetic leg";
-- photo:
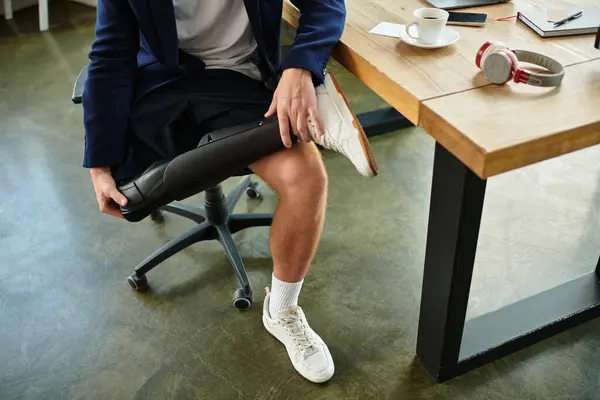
(219, 155)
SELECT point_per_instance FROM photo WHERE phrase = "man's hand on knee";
(107, 195)
(294, 102)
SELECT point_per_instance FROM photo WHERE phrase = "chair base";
(215, 221)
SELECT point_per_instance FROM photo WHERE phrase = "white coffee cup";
(430, 23)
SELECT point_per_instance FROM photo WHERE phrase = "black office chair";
(215, 221)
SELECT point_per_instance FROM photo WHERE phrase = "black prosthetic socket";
(219, 155)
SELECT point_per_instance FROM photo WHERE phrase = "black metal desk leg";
(457, 196)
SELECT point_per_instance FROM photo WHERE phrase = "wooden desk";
(495, 129)
(481, 130)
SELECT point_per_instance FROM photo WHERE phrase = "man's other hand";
(107, 195)
(294, 102)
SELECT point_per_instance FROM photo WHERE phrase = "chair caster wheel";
(138, 283)
(253, 190)
(241, 300)
(157, 216)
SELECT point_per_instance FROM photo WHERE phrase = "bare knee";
(305, 177)
(299, 174)
(305, 180)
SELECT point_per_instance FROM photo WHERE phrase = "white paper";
(388, 29)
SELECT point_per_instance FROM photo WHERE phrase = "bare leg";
(298, 176)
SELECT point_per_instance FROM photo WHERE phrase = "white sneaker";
(343, 132)
(307, 351)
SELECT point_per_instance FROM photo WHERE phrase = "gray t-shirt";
(218, 32)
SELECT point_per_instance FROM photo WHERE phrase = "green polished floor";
(70, 327)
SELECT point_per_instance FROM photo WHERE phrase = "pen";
(569, 18)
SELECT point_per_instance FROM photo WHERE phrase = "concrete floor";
(72, 329)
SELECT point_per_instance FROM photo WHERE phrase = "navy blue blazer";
(136, 50)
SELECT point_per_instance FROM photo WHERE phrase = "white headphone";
(501, 64)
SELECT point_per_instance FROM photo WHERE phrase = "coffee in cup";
(429, 23)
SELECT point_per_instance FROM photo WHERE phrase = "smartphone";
(465, 18)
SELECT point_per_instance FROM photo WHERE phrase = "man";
(164, 73)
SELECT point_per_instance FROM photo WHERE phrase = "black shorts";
(172, 119)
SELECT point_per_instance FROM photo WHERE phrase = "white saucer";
(449, 36)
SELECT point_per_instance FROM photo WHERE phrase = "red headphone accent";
(482, 50)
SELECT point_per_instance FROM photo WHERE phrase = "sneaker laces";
(333, 145)
(300, 332)
(327, 141)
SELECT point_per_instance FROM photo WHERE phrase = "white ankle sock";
(283, 295)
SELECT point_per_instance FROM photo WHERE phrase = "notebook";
(538, 22)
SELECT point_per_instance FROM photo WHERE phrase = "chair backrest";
(79, 84)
